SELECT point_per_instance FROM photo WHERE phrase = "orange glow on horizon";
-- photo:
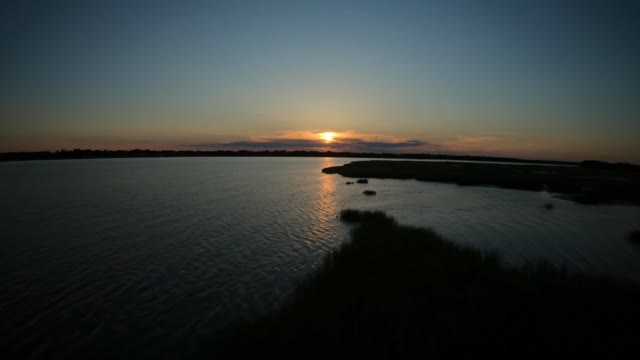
(328, 136)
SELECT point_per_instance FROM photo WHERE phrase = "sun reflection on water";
(324, 203)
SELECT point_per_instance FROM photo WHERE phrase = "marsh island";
(585, 183)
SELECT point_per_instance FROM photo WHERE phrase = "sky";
(556, 79)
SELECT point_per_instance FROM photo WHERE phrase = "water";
(144, 257)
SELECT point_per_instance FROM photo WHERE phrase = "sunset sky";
(532, 79)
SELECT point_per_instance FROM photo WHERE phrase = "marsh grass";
(397, 291)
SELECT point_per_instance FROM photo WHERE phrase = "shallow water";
(135, 257)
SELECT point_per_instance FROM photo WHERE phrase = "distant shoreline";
(138, 153)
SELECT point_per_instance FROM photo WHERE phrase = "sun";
(328, 136)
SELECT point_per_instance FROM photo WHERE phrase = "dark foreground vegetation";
(590, 183)
(139, 153)
(402, 292)
(634, 236)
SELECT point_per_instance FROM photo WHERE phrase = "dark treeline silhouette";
(138, 153)
(594, 164)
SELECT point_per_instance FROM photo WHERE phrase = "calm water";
(134, 257)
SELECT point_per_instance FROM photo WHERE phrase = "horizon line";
(68, 154)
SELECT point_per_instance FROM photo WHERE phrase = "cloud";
(359, 145)
(506, 144)
(313, 141)
(270, 144)
(473, 144)
(497, 144)
(490, 144)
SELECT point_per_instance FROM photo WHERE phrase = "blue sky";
(552, 79)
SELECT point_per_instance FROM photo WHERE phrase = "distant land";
(146, 153)
(138, 153)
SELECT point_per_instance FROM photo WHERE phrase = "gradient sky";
(533, 79)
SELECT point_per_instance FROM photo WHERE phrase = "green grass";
(395, 291)
(582, 184)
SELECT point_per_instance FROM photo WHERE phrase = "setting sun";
(328, 136)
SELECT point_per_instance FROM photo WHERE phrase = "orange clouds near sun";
(326, 136)
(315, 140)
